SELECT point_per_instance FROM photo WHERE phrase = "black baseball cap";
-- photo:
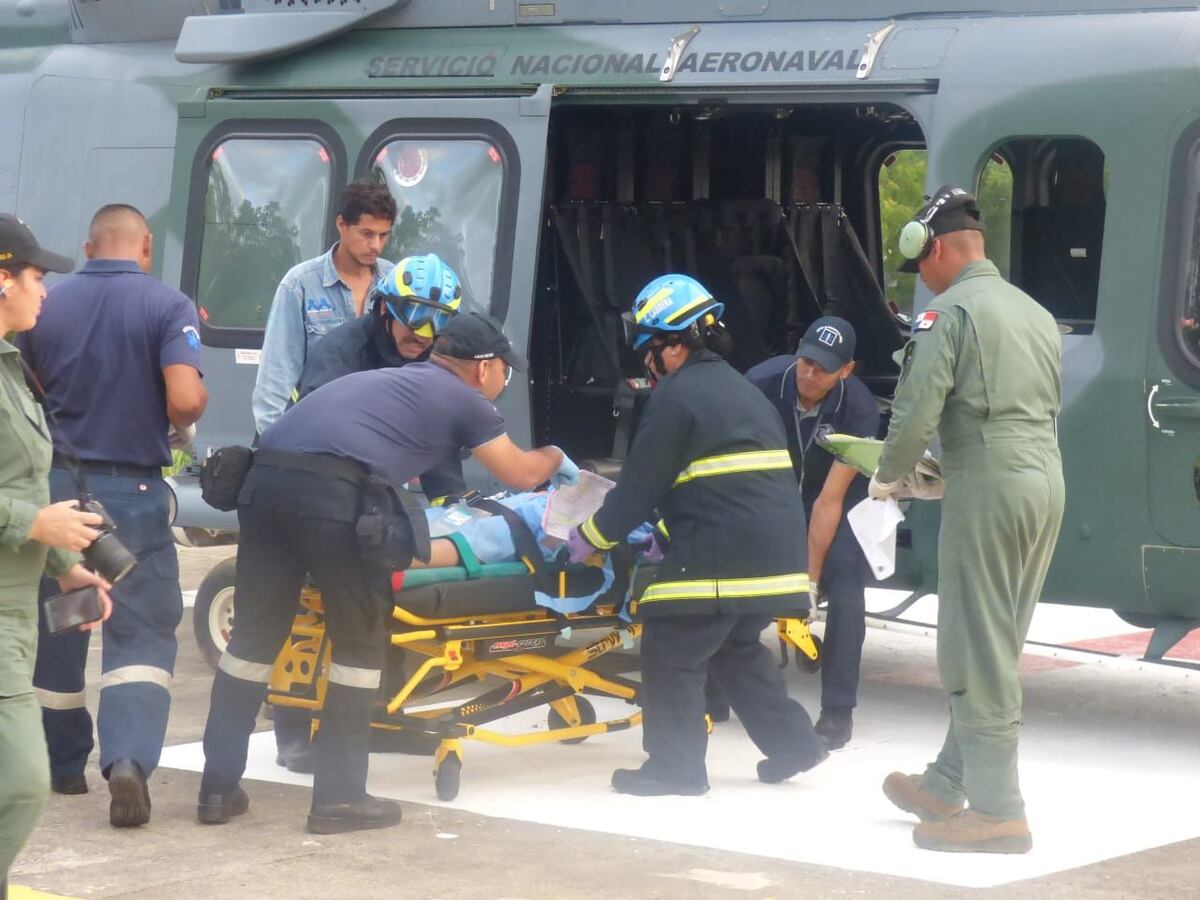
(951, 208)
(477, 335)
(829, 342)
(18, 246)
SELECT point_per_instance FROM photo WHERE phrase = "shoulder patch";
(925, 320)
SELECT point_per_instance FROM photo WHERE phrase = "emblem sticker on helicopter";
(411, 166)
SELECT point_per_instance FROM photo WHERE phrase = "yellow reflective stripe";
(714, 588)
(593, 535)
(662, 528)
(661, 294)
(680, 313)
(731, 463)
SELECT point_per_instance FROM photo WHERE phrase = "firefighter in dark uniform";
(309, 505)
(710, 455)
(816, 393)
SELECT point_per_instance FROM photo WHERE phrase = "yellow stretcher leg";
(795, 633)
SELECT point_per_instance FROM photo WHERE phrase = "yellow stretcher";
(480, 623)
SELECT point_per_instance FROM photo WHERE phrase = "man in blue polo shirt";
(816, 393)
(118, 354)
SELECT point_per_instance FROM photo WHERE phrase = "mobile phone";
(72, 609)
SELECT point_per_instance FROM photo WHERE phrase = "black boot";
(130, 804)
(835, 726)
(775, 769)
(295, 757)
(217, 809)
(652, 782)
(361, 815)
(68, 784)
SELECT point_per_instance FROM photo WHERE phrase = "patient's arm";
(442, 554)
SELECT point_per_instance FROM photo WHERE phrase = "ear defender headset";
(917, 234)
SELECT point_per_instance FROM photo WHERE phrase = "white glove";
(881, 490)
(814, 595)
(180, 438)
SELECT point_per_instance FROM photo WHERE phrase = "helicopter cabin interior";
(785, 214)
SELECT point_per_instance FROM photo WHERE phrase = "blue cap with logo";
(829, 342)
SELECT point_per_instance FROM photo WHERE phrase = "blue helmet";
(423, 293)
(669, 303)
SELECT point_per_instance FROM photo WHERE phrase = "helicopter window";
(1056, 232)
(264, 211)
(448, 196)
(901, 189)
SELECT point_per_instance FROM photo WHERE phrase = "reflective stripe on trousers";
(714, 588)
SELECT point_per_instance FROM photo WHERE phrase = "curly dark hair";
(366, 198)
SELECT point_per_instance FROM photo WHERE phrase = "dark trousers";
(843, 587)
(294, 523)
(139, 645)
(678, 654)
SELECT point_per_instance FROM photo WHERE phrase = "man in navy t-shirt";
(301, 510)
(816, 393)
(118, 354)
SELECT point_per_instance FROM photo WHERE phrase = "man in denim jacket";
(320, 294)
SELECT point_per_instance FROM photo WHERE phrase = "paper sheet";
(874, 524)
(571, 505)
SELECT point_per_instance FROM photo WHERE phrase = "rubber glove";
(881, 490)
(579, 550)
(180, 438)
(567, 473)
(652, 551)
(814, 595)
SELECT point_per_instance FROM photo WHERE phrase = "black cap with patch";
(829, 342)
(477, 335)
(19, 247)
(951, 208)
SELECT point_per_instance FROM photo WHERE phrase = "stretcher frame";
(456, 650)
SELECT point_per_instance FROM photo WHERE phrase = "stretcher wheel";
(448, 778)
(587, 716)
(810, 665)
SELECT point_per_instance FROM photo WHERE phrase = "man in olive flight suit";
(983, 368)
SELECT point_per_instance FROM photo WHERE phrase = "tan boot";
(974, 832)
(905, 792)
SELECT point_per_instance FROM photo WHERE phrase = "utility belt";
(102, 467)
(391, 526)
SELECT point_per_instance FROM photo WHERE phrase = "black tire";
(587, 716)
(811, 666)
(1139, 619)
(448, 778)
(212, 616)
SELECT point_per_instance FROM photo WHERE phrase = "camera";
(106, 555)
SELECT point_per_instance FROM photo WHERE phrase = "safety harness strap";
(732, 463)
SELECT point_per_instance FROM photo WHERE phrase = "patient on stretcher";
(491, 540)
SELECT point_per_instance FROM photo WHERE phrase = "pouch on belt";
(222, 475)
(392, 528)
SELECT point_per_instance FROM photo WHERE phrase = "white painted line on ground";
(1102, 770)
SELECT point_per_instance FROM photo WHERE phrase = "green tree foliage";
(901, 193)
(245, 252)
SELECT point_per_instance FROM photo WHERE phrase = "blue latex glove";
(568, 472)
(578, 548)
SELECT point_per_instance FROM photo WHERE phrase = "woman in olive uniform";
(35, 537)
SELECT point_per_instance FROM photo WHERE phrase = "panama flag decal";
(925, 321)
